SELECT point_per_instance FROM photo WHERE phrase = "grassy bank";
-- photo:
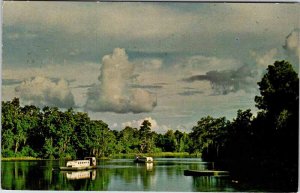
(33, 158)
(19, 158)
(114, 156)
(169, 154)
(160, 154)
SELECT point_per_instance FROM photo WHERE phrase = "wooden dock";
(205, 173)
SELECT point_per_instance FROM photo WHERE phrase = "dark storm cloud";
(224, 82)
(190, 92)
(146, 86)
(56, 80)
(292, 41)
(8, 82)
(292, 47)
(84, 86)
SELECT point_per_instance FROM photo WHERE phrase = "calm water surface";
(166, 174)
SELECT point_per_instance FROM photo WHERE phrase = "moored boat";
(75, 165)
(143, 159)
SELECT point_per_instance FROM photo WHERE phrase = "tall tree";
(170, 141)
(82, 140)
(209, 136)
(279, 100)
(49, 125)
(9, 117)
(128, 137)
(146, 137)
(276, 126)
(239, 139)
(279, 89)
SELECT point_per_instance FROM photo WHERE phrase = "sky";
(124, 62)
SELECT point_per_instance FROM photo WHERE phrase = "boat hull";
(142, 161)
(77, 168)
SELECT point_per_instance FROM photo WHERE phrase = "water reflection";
(112, 175)
(77, 175)
(211, 184)
(149, 167)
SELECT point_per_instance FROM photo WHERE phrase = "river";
(165, 174)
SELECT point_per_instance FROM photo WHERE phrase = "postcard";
(166, 96)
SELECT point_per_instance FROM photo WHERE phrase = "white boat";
(86, 164)
(143, 159)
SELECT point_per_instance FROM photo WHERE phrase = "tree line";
(268, 141)
(51, 133)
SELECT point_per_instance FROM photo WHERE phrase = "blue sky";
(171, 63)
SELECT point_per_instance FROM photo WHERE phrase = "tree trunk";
(17, 146)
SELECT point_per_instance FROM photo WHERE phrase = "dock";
(205, 173)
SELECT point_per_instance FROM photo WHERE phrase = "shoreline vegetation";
(159, 154)
(115, 156)
(19, 158)
(267, 144)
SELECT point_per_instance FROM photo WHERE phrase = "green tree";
(239, 139)
(9, 119)
(183, 141)
(17, 124)
(279, 89)
(209, 136)
(102, 139)
(278, 122)
(146, 137)
(129, 140)
(170, 142)
(65, 133)
(49, 124)
(279, 102)
(81, 141)
(32, 118)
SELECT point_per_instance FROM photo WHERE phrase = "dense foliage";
(51, 133)
(267, 142)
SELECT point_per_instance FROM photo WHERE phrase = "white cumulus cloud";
(113, 93)
(154, 125)
(42, 91)
(268, 58)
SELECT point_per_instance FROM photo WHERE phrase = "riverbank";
(19, 158)
(114, 156)
(159, 154)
